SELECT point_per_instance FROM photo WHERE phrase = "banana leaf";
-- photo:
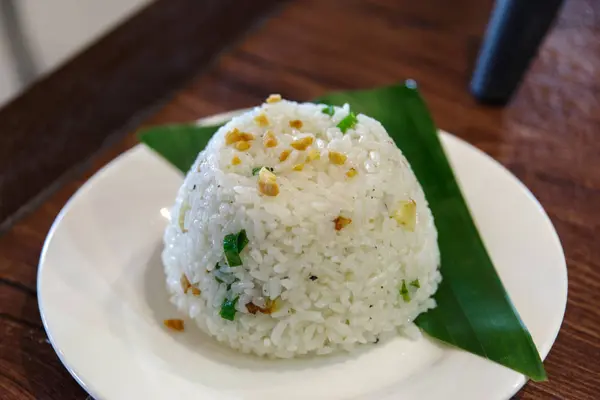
(473, 311)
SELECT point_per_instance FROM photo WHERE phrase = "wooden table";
(179, 60)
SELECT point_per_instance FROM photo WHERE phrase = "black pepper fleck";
(376, 340)
(313, 278)
(371, 306)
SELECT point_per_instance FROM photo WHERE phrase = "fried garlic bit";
(352, 172)
(274, 98)
(186, 285)
(302, 144)
(261, 120)
(341, 222)
(232, 136)
(296, 124)
(267, 182)
(337, 158)
(405, 214)
(236, 160)
(235, 136)
(313, 154)
(246, 136)
(185, 207)
(298, 167)
(243, 145)
(269, 140)
(270, 307)
(174, 324)
(284, 155)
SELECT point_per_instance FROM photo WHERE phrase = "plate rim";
(222, 117)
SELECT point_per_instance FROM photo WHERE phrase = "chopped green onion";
(329, 110)
(348, 122)
(219, 280)
(231, 250)
(242, 240)
(228, 309)
(404, 291)
(256, 170)
(233, 244)
(415, 283)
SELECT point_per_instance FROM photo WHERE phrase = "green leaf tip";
(178, 144)
(473, 311)
(470, 291)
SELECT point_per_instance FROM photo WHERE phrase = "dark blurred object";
(513, 36)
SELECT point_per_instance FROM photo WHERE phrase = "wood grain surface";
(110, 88)
(549, 136)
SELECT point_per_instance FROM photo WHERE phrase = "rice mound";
(304, 286)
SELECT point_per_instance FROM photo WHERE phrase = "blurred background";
(36, 36)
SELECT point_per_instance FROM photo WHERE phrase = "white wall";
(9, 84)
(56, 30)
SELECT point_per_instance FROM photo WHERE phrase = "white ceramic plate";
(102, 299)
